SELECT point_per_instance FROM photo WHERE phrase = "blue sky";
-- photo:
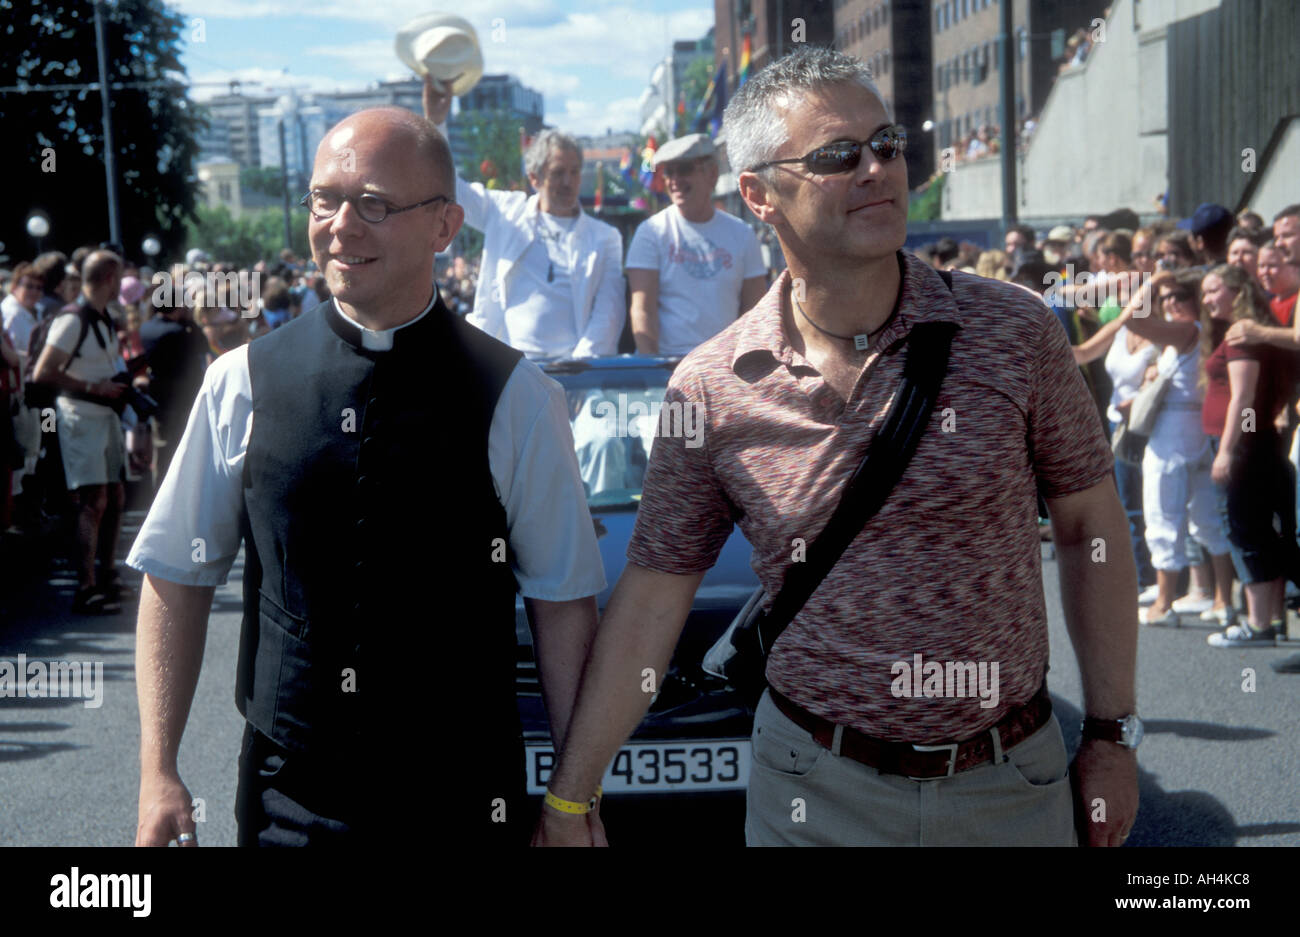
(591, 59)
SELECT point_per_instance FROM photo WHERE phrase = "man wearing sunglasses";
(691, 268)
(394, 475)
(849, 744)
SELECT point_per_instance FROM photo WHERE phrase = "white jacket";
(509, 222)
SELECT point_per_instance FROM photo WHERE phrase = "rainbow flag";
(745, 47)
(600, 187)
(648, 162)
(625, 165)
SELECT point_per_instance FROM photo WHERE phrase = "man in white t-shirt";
(551, 278)
(692, 268)
(90, 430)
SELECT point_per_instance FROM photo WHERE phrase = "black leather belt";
(921, 762)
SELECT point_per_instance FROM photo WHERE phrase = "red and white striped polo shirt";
(950, 567)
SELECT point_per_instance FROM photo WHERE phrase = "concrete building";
(1119, 132)
(774, 26)
(967, 64)
(893, 38)
(237, 113)
(657, 106)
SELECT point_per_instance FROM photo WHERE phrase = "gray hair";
(753, 124)
(543, 145)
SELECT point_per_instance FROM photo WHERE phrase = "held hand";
(109, 389)
(437, 101)
(565, 829)
(1104, 775)
(164, 811)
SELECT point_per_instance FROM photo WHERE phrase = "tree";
(254, 236)
(695, 81)
(54, 158)
(264, 179)
(493, 144)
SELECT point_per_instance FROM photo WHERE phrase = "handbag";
(1127, 445)
(740, 655)
(1146, 405)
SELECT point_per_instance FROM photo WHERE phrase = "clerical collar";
(382, 339)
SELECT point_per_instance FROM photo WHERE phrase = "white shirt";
(18, 323)
(544, 284)
(92, 363)
(530, 454)
(701, 268)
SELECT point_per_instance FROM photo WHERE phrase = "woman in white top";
(1127, 360)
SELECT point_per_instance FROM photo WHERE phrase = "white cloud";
(586, 118)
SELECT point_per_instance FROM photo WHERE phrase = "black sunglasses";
(843, 156)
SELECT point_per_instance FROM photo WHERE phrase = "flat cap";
(1062, 232)
(691, 146)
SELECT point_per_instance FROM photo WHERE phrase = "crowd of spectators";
(1204, 308)
(161, 341)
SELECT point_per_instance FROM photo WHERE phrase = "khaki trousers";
(802, 795)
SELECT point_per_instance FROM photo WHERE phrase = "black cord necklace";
(861, 341)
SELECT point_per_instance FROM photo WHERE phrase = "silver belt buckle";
(950, 747)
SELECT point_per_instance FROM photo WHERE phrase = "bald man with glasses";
(395, 476)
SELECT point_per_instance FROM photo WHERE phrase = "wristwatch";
(1126, 730)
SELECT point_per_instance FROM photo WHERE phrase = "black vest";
(378, 615)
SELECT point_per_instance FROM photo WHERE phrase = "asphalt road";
(1218, 766)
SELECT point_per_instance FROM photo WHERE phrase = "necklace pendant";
(860, 342)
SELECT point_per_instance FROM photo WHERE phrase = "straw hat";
(443, 46)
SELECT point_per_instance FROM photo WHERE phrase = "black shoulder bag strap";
(885, 461)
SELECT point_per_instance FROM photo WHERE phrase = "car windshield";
(614, 416)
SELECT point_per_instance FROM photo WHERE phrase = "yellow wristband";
(569, 806)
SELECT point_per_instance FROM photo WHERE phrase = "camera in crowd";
(143, 405)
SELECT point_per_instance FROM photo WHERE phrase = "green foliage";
(926, 203)
(254, 236)
(492, 137)
(52, 42)
(264, 179)
(694, 83)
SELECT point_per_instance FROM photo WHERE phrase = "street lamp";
(151, 247)
(38, 226)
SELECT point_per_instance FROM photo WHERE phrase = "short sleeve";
(192, 533)
(644, 252)
(530, 450)
(63, 332)
(1069, 450)
(685, 516)
(754, 266)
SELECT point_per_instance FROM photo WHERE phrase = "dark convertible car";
(695, 738)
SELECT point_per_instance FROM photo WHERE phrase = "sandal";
(94, 601)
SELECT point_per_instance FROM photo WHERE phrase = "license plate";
(658, 767)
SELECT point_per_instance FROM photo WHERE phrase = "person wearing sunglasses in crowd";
(692, 268)
(948, 568)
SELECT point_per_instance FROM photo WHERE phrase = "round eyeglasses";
(325, 203)
(843, 156)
